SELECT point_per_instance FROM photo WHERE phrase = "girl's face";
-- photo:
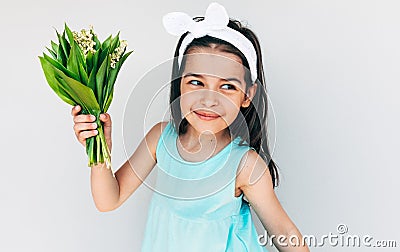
(213, 89)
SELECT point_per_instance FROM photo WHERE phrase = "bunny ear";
(216, 16)
(177, 23)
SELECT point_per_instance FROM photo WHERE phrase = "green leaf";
(54, 46)
(114, 43)
(53, 54)
(69, 33)
(60, 67)
(98, 43)
(80, 61)
(83, 74)
(79, 56)
(63, 44)
(111, 80)
(109, 100)
(113, 76)
(72, 93)
(106, 43)
(89, 62)
(48, 70)
(78, 52)
(105, 49)
(123, 58)
(103, 55)
(93, 72)
(61, 57)
(92, 81)
(114, 72)
(105, 81)
(79, 92)
(95, 59)
(101, 73)
(72, 64)
(118, 66)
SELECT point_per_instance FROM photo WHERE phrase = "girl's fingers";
(86, 134)
(84, 125)
(75, 110)
(84, 118)
(81, 117)
(106, 118)
(78, 127)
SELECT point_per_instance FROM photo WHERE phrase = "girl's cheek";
(232, 105)
(189, 97)
(186, 101)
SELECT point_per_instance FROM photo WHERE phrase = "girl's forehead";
(222, 64)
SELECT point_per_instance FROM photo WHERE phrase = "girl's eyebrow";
(193, 75)
(201, 76)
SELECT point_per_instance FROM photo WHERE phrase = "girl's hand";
(85, 126)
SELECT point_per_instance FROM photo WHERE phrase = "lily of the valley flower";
(115, 56)
(85, 40)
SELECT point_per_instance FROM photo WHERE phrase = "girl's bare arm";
(255, 181)
(132, 173)
(110, 190)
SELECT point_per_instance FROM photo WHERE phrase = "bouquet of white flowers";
(82, 71)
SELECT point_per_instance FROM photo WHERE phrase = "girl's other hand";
(85, 126)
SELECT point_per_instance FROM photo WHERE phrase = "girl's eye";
(195, 82)
(229, 86)
(224, 86)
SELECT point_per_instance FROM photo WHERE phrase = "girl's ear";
(249, 96)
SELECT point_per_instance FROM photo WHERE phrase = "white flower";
(116, 55)
(85, 40)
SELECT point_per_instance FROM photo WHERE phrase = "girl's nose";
(209, 98)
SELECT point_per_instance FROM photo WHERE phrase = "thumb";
(105, 118)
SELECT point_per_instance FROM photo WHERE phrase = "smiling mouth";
(206, 116)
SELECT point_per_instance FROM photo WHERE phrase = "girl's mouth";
(206, 116)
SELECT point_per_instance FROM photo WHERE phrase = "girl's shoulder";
(251, 168)
(157, 129)
(162, 125)
(153, 136)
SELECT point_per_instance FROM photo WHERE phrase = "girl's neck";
(193, 135)
(203, 144)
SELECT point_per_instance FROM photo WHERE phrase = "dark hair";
(252, 125)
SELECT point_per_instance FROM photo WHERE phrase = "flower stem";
(104, 147)
(97, 148)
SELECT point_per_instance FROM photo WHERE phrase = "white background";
(332, 72)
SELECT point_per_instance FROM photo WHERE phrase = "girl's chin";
(207, 127)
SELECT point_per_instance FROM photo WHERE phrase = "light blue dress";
(193, 207)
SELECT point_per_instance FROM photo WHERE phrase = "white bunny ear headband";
(215, 24)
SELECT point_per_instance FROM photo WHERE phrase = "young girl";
(211, 154)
